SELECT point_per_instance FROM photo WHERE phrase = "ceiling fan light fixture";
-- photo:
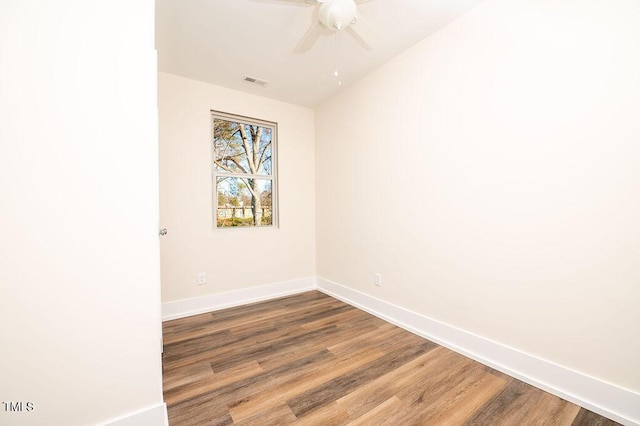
(337, 14)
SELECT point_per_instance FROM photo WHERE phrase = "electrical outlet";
(377, 279)
(202, 278)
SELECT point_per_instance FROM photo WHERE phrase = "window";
(244, 178)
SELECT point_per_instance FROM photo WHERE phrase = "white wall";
(79, 263)
(491, 173)
(233, 259)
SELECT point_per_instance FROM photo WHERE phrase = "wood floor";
(310, 359)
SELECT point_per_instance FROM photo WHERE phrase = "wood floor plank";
(233, 392)
(346, 317)
(204, 385)
(297, 317)
(222, 361)
(183, 377)
(190, 327)
(226, 350)
(365, 398)
(278, 415)
(201, 412)
(509, 406)
(336, 388)
(329, 415)
(589, 418)
(428, 385)
(382, 412)
(460, 402)
(351, 331)
(552, 411)
(309, 359)
(384, 337)
(309, 379)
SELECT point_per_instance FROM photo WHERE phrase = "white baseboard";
(154, 416)
(606, 399)
(217, 301)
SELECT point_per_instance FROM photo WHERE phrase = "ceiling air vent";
(254, 80)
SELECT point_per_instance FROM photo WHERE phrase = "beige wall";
(491, 174)
(233, 259)
(79, 264)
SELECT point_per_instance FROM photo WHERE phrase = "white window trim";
(275, 216)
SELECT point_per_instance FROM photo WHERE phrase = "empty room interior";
(267, 212)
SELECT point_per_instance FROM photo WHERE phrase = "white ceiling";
(221, 41)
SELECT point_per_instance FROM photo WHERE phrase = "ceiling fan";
(336, 15)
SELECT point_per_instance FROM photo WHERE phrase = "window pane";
(265, 152)
(244, 202)
(242, 148)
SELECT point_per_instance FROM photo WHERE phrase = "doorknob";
(163, 231)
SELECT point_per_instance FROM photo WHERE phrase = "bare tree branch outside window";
(243, 171)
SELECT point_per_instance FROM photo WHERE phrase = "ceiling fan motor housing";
(337, 14)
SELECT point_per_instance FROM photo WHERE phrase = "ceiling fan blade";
(310, 37)
(363, 31)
